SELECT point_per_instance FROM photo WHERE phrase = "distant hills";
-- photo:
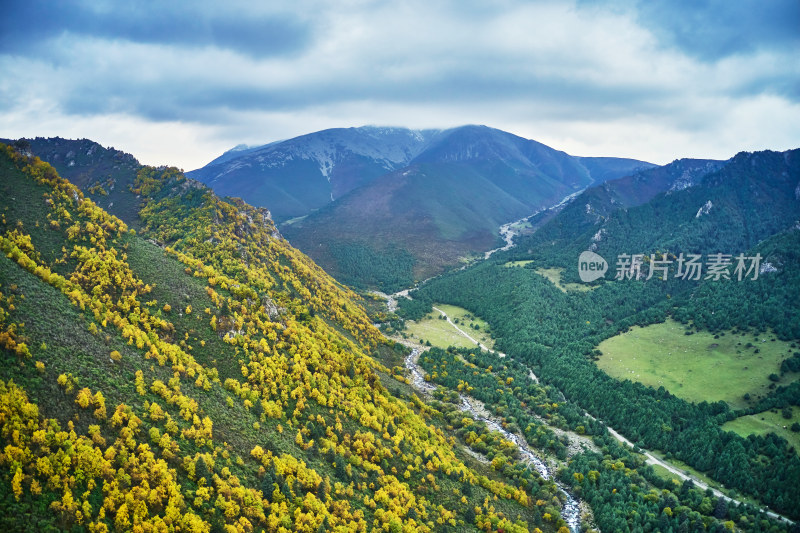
(296, 176)
(689, 206)
(385, 206)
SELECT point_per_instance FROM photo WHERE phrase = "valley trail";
(508, 234)
(653, 460)
(465, 334)
(507, 229)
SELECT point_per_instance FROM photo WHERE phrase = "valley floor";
(445, 333)
(449, 325)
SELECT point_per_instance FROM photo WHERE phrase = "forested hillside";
(625, 493)
(202, 375)
(103, 174)
(730, 210)
(599, 202)
(750, 206)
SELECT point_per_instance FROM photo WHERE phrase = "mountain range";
(384, 206)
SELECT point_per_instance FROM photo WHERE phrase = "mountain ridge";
(372, 150)
(343, 157)
(695, 197)
(452, 188)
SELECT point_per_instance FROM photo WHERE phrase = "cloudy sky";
(179, 82)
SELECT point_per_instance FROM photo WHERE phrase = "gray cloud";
(29, 27)
(714, 29)
(176, 99)
(591, 74)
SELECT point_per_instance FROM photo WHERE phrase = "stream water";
(507, 230)
(570, 511)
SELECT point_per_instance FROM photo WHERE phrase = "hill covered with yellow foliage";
(200, 374)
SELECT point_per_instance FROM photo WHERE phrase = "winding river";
(507, 230)
(570, 510)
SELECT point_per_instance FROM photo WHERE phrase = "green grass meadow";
(553, 275)
(767, 422)
(696, 367)
(512, 264)
(442, 334)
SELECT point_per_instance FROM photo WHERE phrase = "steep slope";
(404, 226)
(296, 176)
(595, 204)
(640, 187)
(105, 174)
(445, 206)
(731, 208)
(205, 377)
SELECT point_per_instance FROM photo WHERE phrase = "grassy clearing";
(469, 258)
(767, 422)
(512, 264)
(521, 225)
(696, 367)
(554, 276)
(468, 322)
(438, 332)
(663, 473)
(442, 334)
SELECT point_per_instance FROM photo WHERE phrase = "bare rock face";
(704, 210)
(597, 237)
(767, 268)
